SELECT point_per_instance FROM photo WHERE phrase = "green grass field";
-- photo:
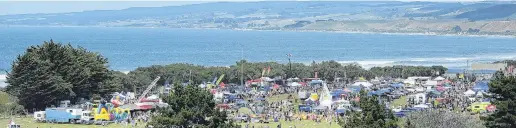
(29, 123)
(402, 101)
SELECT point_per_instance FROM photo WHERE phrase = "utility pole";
(466, 70)
(290, 66)
(242, 68)
(190, 77)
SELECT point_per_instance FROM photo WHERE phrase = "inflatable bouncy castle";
(109, 112)
(118, 99)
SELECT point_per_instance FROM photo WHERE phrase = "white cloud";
(2, 80)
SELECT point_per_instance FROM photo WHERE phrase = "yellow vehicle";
(479, 107)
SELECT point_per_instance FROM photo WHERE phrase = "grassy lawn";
(297, 124)
(29, 123)
(402, 101)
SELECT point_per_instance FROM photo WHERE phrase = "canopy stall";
(363, 83)
(439, 78)
(481, 86)
(469, 93)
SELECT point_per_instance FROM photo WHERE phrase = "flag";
(289, 55)
(222, 85)
(269, 70)
(167, 83)
(220, 79)
(263, 71)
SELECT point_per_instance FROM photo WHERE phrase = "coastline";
(288, 30)
(383, 33)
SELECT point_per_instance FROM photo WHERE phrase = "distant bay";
(128, 48)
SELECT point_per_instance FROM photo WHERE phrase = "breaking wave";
(449, 62)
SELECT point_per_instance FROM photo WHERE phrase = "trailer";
(63, 115)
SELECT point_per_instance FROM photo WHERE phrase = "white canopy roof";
(294, 84)
(202, 85)
(469, 92)
(421, 106)
(409, 81)
(430, 83)
(439, 78)
(267, 79)
(365, 84)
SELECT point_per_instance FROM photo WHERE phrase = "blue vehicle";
(305, 108)
(63, 115)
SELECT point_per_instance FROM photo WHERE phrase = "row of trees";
(328, 70)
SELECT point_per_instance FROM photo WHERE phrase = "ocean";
(128, 48)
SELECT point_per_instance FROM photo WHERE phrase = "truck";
(39, 116)
(63, 115)
(86, 117)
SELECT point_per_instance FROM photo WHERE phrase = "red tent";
(276, 86)
(357, 99)
(222, 85)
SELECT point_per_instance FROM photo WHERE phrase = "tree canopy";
(190, 106)
(373, 115)
(48, 73)
(504, 98)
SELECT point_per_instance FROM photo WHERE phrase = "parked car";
(241, 118)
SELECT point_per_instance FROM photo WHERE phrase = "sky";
(60, 6)
(29, 7)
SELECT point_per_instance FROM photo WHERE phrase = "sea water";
(128, 48)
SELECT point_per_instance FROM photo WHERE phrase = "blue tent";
(481, 86)
(355, 89)
(316, 82)
(397, 85)
(337, 92)
(371, 93)
(384, 90)
(341, 111)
